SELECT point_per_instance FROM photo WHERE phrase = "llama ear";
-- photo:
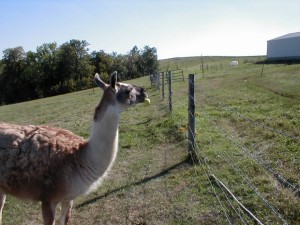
(99, 82)
(113, 79)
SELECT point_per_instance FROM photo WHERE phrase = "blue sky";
(175, 27)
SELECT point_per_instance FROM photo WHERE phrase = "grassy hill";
(248, 135)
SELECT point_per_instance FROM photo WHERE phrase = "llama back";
(30, 155)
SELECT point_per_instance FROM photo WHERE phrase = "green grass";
(151, 183)
(231, 101)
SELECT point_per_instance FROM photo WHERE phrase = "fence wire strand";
(247, 179)
(251, 121)
(267, 167)
(202, 161)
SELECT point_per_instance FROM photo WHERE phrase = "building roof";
(290, 35)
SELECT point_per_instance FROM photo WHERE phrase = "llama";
(53, 165)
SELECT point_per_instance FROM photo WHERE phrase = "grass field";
(248, 135)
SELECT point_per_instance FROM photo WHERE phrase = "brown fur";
(29, 156)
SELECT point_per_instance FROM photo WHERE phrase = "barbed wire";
(262, 125)
(268, 204)
(252, 122)
(276, 174)
(246, 178)
(237, 211)
(267, 167)
(282, 180)
(208, 170)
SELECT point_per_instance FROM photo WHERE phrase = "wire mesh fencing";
(224, 149)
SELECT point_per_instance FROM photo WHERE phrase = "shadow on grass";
(145, 180)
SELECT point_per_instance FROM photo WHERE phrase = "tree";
(133, 58)
(103, 63)
(73, 65)
(55, 70)
(119, 64)
(29, 77)
(148, 61)
(1, 67)
(10, 80)
(13, 58)
(46, 60)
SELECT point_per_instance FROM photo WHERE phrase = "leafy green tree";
(46, 63)
(103, 63)
(13, 58)
(73, 64)
(1, 67)
(119, 64)
(29, 77)
(148, 61)
(133, 58)
(10, 82)
(55, 70)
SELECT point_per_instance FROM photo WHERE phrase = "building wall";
(288, 48)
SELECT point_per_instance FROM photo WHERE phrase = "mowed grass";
(240, 118)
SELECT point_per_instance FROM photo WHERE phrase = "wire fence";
(232, 207)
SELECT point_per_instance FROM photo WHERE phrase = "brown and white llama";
(55, 166)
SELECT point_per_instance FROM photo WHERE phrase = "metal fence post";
(170, 89)
(191, 121)
(163, 85)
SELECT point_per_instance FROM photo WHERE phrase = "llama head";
(121, 95)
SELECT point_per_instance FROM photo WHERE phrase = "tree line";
(53, 69)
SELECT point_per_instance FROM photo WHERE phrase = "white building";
(286, 47)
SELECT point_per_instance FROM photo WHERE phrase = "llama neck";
(104, 137)
(103, 144)
(98, 155)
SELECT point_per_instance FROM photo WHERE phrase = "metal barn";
(286, 47)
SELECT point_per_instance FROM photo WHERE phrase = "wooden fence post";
(163, 85)
(192, 158)
(202, 66)
(158, 81)
(170, 89)
(262, 70)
